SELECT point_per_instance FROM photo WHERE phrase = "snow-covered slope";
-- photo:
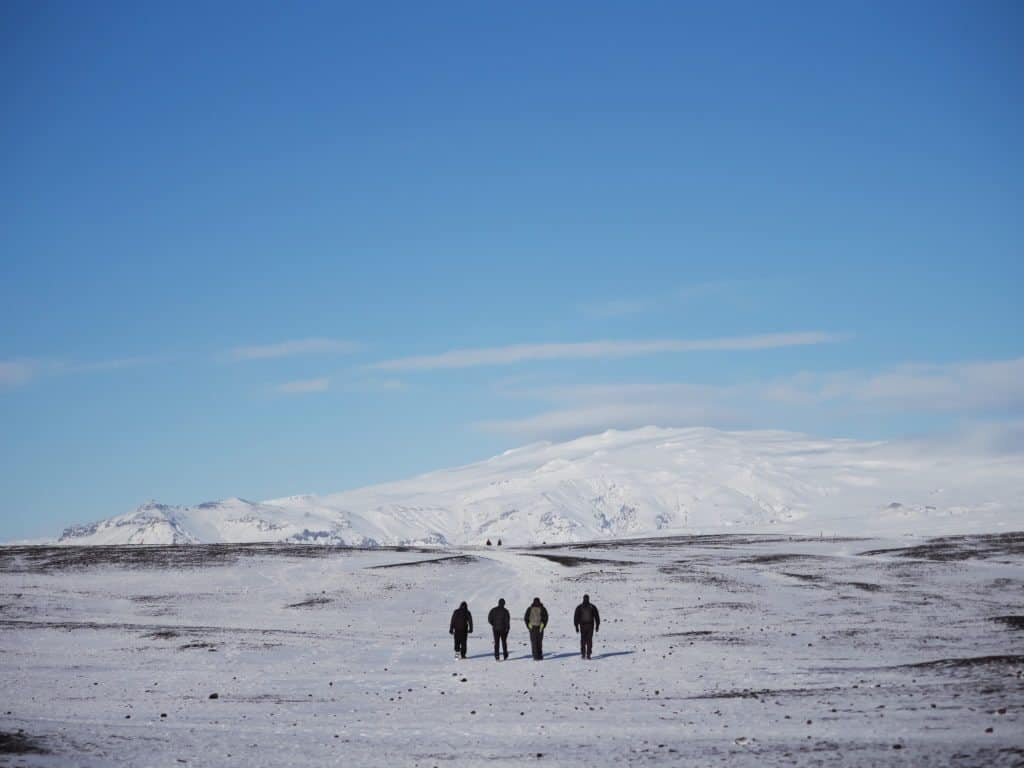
(641, 482)
(230, 520)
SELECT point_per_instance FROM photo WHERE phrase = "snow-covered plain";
(737, 650)
(641, 482)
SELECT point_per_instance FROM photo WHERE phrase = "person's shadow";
(490, 655)
(595, 657)
(554, 656)
(609, 654)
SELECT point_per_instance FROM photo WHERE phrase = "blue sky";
(257, 251)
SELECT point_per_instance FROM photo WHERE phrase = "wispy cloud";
(303, 386)
(618, 307)
(520, 353)
(293, 348)
(14, 373)
(356, 383)
(993, 384)
(966, 390)
(571, 421)
(732, 292)
(116, 364)
(324, 383)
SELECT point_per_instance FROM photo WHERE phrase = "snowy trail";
(518, 578)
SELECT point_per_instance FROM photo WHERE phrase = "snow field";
(740, 650)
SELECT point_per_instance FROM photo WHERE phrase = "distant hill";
(618, 484)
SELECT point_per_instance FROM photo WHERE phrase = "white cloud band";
(966, 389)
(304, 387)
(293, 348)
(520, 353)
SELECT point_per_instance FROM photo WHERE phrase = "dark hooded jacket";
(462, 620)
(543, 612)
(586, 613)
(499, 617)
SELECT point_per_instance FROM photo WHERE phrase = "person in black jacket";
(536, 618)
(461, 625)
(500, 621)
(587, 620)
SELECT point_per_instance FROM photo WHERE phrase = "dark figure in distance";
(500, 621)
(587, 620)
(462, 625)
(536, 618)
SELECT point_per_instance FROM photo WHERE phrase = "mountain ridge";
(617, 484)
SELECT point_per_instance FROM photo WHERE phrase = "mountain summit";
(617, 484)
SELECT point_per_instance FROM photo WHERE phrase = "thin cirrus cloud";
(115, 364)
(303, 386)
(618, 307)
(345, 384)
(964, 386)
(732, 292)
(965, 390)
(573, 421)
(292, 348)
(521, 353)
(15, 373)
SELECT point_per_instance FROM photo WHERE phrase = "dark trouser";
(500, 635)
(460, 643)
(586, 639)
(537, 642)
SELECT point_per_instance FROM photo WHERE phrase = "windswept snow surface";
(642, 482)
(718, 650)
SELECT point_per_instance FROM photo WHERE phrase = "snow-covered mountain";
(618, 484)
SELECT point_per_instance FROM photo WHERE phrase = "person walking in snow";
(460, 626)
(500, 621)
(536, 618)
(587, 620)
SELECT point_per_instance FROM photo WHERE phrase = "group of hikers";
(586, 619)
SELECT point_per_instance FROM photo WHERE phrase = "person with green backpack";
(536, 618)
